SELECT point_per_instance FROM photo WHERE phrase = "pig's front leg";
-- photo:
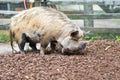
(43, 47)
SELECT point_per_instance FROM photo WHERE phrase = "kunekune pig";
(44, 25)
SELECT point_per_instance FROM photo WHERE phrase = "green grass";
(4, 36)
(102, 36)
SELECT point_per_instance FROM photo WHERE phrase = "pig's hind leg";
(21, 42)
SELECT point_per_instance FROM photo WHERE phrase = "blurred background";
(100, 11)
(97, 16)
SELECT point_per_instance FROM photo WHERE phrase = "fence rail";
(102, 30)
(83, 16)
(95, 16)
(7, 14)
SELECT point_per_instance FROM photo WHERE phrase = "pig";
(44, 25)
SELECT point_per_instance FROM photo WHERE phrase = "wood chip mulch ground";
(100, 61)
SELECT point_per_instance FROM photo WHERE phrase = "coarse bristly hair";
(48, 22)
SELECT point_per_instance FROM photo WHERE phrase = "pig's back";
(38, 17)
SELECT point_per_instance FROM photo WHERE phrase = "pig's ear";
(73, 34)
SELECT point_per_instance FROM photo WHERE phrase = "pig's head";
(74, 43)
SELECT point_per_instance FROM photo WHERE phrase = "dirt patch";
(4, 48)
(100, 61)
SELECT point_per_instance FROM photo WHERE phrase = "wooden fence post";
(88, 9)
(8, 6)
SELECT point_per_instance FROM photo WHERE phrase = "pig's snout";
(82, 46)
(76, 50)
